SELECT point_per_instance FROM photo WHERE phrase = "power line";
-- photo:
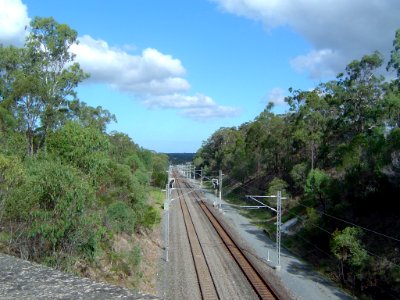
(323, 229)
(339, 219)
(353, 224)
(248, 184)
(328, 215)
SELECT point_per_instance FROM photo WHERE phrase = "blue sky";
(175, 71)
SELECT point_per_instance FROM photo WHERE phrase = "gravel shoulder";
(177, 277)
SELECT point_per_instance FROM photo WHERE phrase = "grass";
(157, 197)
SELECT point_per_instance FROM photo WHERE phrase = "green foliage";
(89, 116)
(123, 184)
(150, 217)
(126, 263)
(67, 188)
(180, 158)
(317, 186)
(122, 148)
(13, 143)
(40, 79)
(88, 236)
(12, 172)
(134, 162)
(394, 61)
(276, 185)
(12, 175)
(84, 147)
(313, 219)
(299, 175)
(121, 217)
(52, 200)
(347, 248)
(135, 256)
(160, 179)
(160, 166)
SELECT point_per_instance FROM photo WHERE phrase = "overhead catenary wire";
(330, 233)
(351, 223)
(330, 216)
(356, 225)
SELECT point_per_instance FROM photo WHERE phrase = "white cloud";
(199, 107)
(154, 78)
(13, 21)
(277, 96)
(339, 30)
(179, 101)
(321, 63)
(206, 113)
(151, 72)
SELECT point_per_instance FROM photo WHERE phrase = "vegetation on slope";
(336, 155)
(69, 191)
(180, 158)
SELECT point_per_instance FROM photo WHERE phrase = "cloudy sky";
(175, 71)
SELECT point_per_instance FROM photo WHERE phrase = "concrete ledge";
(20, 279)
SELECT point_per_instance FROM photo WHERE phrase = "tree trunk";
(29, 137)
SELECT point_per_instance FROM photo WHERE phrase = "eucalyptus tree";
(394, 62)
(46, 79)
(357, 96)
(88, 116)
(392, 99)
(28, 93)
(10, 60)
(308, 119)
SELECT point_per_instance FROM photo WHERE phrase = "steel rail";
(259, 284)
(204, 277)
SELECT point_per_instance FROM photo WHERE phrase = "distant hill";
(180, 158)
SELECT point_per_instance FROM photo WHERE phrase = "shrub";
(299, 175)
(51, 202)
(12, 175)
(276, 185)
(84, 147)
(318, 186)
(151, 217)
(88, 236)
(121, 217)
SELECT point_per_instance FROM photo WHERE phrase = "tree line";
(336, 155)
(67, 187)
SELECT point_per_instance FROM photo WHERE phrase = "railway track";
(206, 281)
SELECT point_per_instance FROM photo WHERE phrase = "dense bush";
(121, 217)
(67, 188)
(51, 201)
(83, 147)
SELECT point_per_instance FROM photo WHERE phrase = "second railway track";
(205, 277)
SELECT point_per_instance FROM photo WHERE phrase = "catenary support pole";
(220, 189)
(201, 178)
(278, 227)
(166, 208)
